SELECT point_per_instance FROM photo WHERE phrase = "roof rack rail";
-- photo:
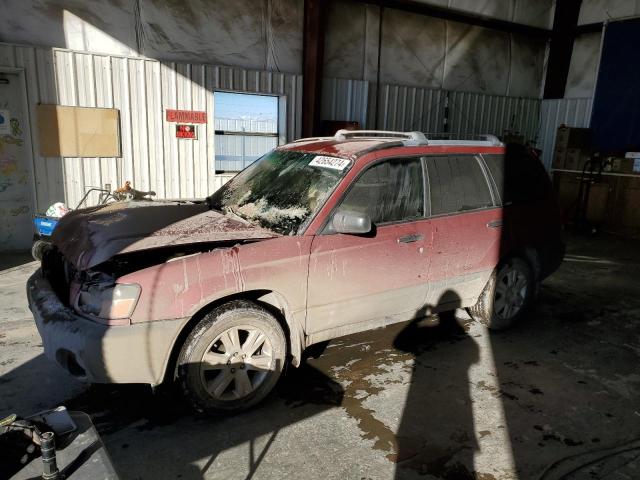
(417, 137)
(311, 139)
(445, 138)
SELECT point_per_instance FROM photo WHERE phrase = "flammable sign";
(186, 131)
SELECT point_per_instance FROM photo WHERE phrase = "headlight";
(108, 302)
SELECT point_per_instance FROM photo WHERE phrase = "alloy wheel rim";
(236, 363)
(511, 292)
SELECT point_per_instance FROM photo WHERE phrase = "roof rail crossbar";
(343, 134)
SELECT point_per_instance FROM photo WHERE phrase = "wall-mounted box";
(78, 131)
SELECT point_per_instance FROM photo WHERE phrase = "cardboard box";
(575, 158)
(615, 165)
(559, 158)
(626, 165)
(570, 137)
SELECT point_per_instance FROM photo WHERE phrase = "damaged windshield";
(281, 190)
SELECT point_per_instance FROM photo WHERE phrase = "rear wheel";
(506, 295)
(233, 357)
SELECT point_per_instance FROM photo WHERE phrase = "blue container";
(44, 225)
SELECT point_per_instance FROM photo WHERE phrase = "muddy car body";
(318, 239)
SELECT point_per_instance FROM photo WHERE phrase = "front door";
(15, 191)
(380, 277)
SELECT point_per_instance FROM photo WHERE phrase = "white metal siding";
(141, 89)
(345, 100)
(153, 159)
(423, 109)
(573, 112)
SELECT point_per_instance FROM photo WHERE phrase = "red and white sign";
(186, 131)
(183, 116)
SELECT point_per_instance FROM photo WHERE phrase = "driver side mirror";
(349, 222)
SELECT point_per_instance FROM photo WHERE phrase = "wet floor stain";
(403, 355)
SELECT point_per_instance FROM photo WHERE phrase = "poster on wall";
(5, 123)
(186, 131)
(191, 116)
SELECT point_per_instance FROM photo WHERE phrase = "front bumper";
(97, 353)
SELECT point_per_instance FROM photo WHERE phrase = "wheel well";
(529, 255)
(265, 298)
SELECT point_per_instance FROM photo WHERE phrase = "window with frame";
(246, 127)
(389, 191)
(519, 177)
(457, 183)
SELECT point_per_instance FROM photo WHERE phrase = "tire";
(232, 358)
(37, 249)
(512, 281)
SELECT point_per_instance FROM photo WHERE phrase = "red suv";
(319, 238)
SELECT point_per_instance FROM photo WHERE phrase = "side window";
(391, 191)
(520, 178)
(457, 183)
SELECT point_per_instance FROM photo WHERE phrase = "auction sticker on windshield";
(330, 162)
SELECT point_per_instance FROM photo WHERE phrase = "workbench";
(614, 200)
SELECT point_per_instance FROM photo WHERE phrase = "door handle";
(494, 224)
(413, 237)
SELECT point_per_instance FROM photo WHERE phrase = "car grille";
(59, 272)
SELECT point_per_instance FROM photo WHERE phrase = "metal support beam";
(589, 28)
(420, 8)
(312, 62)
(565, 22)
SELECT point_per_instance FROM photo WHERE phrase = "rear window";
(457, 184)
(520, 178)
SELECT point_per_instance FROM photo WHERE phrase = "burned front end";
(96, 299)
(82, 317)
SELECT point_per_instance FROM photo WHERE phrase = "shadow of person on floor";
(436, 433)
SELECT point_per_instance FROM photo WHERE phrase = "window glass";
(246, 127)
(390, 191)
(521, 178)
(457, 183)
(281, 191)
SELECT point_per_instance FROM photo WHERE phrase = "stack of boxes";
(573, 148)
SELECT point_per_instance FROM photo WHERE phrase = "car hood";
(90, 236)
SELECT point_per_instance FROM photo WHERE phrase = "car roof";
(353, 144)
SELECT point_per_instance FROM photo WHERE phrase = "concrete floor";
(557, 396)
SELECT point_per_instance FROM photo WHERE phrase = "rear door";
(467, 228)
(379, 277)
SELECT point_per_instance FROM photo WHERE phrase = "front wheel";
(506, 296)
(233, 357)
(37, 249)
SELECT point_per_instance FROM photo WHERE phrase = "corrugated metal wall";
(573, 112)
(345, 100)
(142, 89)
(153, 159)
(423, 109)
